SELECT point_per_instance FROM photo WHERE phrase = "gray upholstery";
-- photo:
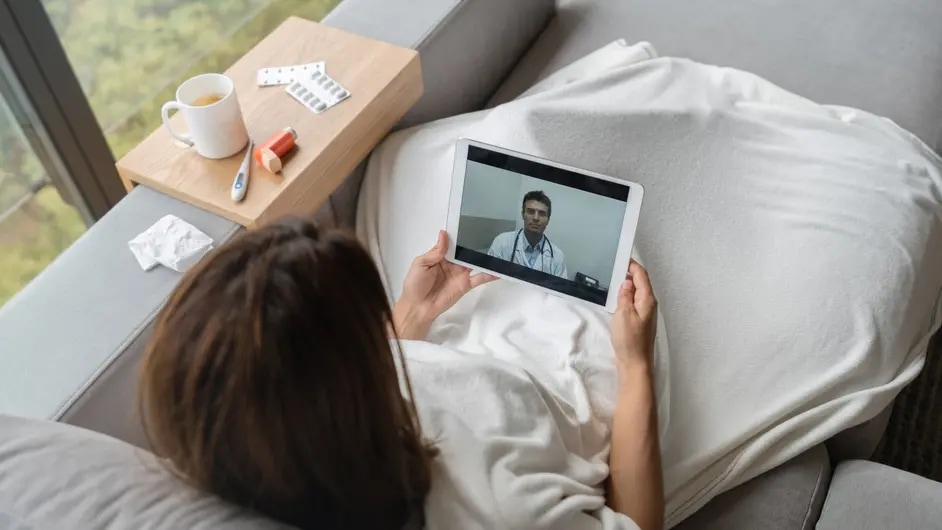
(72, 338)
(57, 476)
(467, 48)
(880, 56)
(71, 341)
(787, 497)
(860, 442)
(869, 496)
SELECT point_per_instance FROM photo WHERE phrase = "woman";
(271, 381)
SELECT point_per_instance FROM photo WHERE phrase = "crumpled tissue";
(171, 242)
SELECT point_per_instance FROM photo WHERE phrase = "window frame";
(53, 111)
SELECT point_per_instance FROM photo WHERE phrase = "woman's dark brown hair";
(271, 382)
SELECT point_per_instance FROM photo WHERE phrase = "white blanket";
(523, 444)
(796, 250)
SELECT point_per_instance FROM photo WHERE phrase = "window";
(127, 56)
(35, 223)
(130, 55)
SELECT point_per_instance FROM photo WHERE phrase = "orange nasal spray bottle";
(270, 153)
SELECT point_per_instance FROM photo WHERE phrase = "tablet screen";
(545, 225)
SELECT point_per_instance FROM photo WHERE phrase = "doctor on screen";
(528, 246)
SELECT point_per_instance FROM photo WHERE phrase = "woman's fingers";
(454, 270)
(481, 278)
(626, 294)
(644, 294)
(436, 254)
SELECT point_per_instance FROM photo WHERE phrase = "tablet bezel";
(626, 237)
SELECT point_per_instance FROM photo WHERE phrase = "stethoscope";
(542, 246)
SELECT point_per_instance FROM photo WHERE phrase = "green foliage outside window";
(129, 57)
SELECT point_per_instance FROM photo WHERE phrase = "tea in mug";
(208, 99)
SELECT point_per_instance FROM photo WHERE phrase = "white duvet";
(796, 250)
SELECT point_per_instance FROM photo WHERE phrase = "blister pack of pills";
(285, 75)
(317, 91)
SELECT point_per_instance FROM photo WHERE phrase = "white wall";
(584, 225)
(490, 192)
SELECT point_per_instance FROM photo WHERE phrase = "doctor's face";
(535, 217)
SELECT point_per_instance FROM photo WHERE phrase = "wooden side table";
(384, 82)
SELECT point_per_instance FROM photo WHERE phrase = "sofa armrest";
(71, 341)
(870, 496)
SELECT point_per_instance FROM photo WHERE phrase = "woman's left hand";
(432, 285)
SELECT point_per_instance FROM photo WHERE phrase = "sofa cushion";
(883, 57)
(54, 475)
(869, 496)
(787, 497)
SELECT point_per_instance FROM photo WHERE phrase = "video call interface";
(541, 224)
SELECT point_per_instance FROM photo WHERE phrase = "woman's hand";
(635, 320)
(432, 285)
(636, 485)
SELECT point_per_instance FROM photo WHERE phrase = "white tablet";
(566, 230)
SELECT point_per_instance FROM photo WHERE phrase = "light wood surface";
(384, 82)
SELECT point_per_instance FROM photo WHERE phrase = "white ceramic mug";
(215, 129)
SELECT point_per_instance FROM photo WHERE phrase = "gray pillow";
(54, 475)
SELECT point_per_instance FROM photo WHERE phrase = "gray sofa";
(70, 343)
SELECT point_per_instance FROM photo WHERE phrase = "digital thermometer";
(241, 181)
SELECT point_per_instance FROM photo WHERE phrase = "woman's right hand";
(432, 286)
(635, 320)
